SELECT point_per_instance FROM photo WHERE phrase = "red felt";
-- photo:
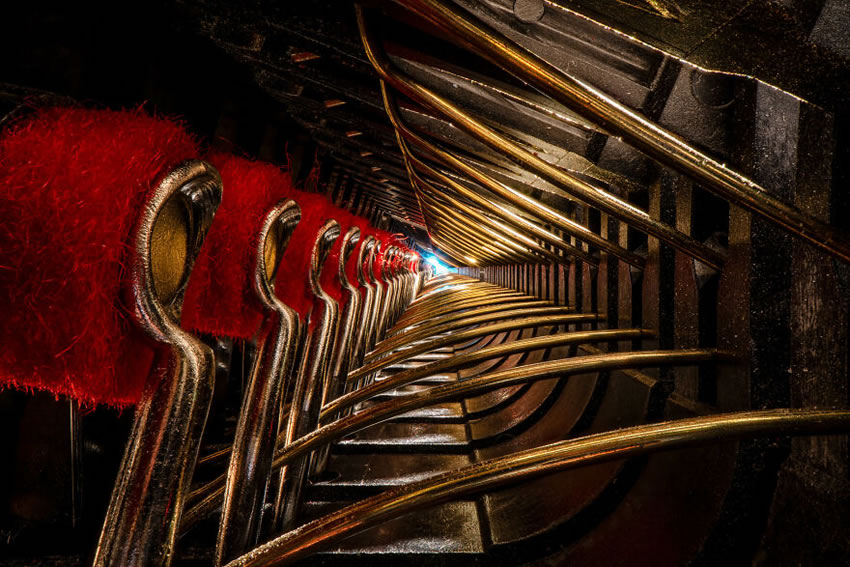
(72, 182)
(386, 239)
(221, 299)
(351, 265)
(292, 285)
(330, 276)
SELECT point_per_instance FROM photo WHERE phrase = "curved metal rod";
(310, 381)
(444, 309)
(457, 293)
(426, 328)
(480, 222)
(456, 362)
(436, 292)
(249, 470)
(474, 317)
(453, 205)
(484, 234)
(516, 198)
(361, 337)
(372, 337)
(582, 190)
(342, 352)
(344, 355)
(475, 247)
(469, 246)
(147, 500)
(211, 492)
(516, 221)
(534, 463)
(479, 238)
(452, 302)
(648, 137)
(508, 324)
(469, 256)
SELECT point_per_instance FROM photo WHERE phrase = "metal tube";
(211, 493)
(579, 188)
(249, 470)
(455, 362)
(534, 463)
(147, 500)
(619, 120)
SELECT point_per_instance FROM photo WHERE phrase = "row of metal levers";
(493, 427)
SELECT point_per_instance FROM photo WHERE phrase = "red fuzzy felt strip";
(72, 182)
(221, 299)
(293, 285)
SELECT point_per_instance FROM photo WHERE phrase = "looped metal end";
(147, 501)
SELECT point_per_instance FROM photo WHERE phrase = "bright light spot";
(439, 267)
(471, 260)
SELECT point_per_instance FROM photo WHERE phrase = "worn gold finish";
(170, 246)
(533, 463)
(147, 501)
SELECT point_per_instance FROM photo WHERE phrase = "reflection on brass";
(418, 313)
(425, 328)
(533, 463)
(619, 120)
(364, 260)
(147, 500)
(477, 317)
(378, 298)
(211, 492)
(506, 215)
(499, 236)
(446, 308)
(486, 227)
(170, 248)
(249, 470)
(488, 382)
(310, 380)
(582, 190)
(342, 352)
(514, 319)
(512, 196)
(494, 250)
(458, 361)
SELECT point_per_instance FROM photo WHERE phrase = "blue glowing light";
(438, 266)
